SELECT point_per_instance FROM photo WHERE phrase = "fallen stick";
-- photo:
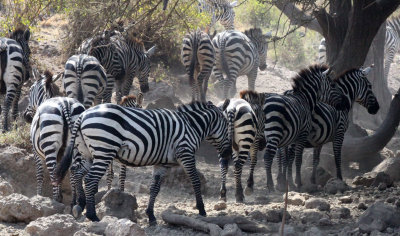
(243, 223)
(197, 224)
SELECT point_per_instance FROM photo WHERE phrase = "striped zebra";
(43, 89)
(51, 126)
(139, 137)
(392, 42)
(322, 52)
(85, 80)
(243, 131)
(330, 125)
(14, 70)
(239, 54)
(198, 57)
(123, 57)
(220, 10)
(287, 118)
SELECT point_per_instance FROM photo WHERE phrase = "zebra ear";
(27, 34)
(233, 4)
(151, 51)
(327, 72)
(57, 77)
(35, 74)
(226, 104)
(139, 99)
(367, 70)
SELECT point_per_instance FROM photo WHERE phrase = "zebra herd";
(79, 134)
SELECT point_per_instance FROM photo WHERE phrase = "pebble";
(220, 206)
(390, 200)
(397, 203)
(344, 213)
(382, 187)
(346, 199)
(362, 206)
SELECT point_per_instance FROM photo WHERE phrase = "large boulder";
(19, 169)
(177, 178)
(19, 208)
(58, 224)
(231, 230)
(391, 167)
(124, 227)
(373, 179)
(5, 187)
(334, 186)
(318, 203)
(118, 204)
(379, 216)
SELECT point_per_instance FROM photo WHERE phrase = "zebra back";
(22, 37)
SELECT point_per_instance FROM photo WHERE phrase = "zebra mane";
(254, 33)
(136, 42)
(306, 74)
(17, 33)
(49, 77)
(349, 71)
(251, 96)
(127, 98)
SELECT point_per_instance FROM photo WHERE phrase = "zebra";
(198, 57)
(239, 54)
(220, 10)
(14, 70)
(243, 131)
(322, 52)
(43, 89)
(139, 137)
(392, 42)
(330, 125)
(287, 118)
(85, 80)
(123, 57)
(51, 126)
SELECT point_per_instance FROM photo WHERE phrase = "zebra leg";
(238, 175)
(268, 159)
(9, 99)
(337, 151)
(77, 209)
(223, 163)
(316, 154)
(253, 162)
(107, 94)
(280, 179)
(99, 167)
(299, 159)
(290, 160)
(203, 83)
(57, 196)
(122, 177)
(189, 165)
(251, 78)
(14, 114)
(73, 187)
(158, 174)
(39, 173)
(110, 176)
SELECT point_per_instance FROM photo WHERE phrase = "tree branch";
(297, 16)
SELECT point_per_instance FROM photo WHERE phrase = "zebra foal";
(198, 57)
(139, 137)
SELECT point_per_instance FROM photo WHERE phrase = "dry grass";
(18, 137)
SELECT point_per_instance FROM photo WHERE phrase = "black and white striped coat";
(139, 137)
(14, 70)
(123, 57)
(239, 54)
(51, 127)
(198, 57)
(220, 10)
(330, 124)
(85, 80)
(287, 118)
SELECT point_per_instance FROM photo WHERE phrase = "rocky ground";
(366, 204)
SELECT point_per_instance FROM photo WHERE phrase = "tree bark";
(356, 148)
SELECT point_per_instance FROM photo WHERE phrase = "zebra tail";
(63, 166)
(193, 61)
(79, 75)
(231, 128)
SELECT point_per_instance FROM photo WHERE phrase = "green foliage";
(18, 137)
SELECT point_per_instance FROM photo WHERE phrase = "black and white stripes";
(220, 10)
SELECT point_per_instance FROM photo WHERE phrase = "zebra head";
(132, 101)
(43, 88)
(22, 37)
(218, 135)
(256, 101)
(260, 42)
(359, 89)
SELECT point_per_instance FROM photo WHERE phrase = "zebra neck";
(307, 99)
(395, 25)
(347, 89)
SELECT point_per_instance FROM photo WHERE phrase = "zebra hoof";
(248, 191)
(77, 211)
(153, 223)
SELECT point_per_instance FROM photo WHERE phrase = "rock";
(5, 187)
(397, 203)
(221, 205)
(346, 199)
(344, 213)
(99, 195)
(310, 188)
(141, 188)
(362, 206)
(276, 215)
(321, 178)
(365, 180)
(177, 178)
(379, 216)
(231, 230)
(382, 186)
(390, 200)
(325, 222)
(124, 227)
(288, 230)
(297, 199)
(317, 203)
(382, 177)
(310, 216)
(335, 185)
(373, 179)
(118, 204)
(58, 224)
(314, 231)
(18, 168)
(261, 199)
(257, 215)
(389, 166)
(84, 232)
(19, 208)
